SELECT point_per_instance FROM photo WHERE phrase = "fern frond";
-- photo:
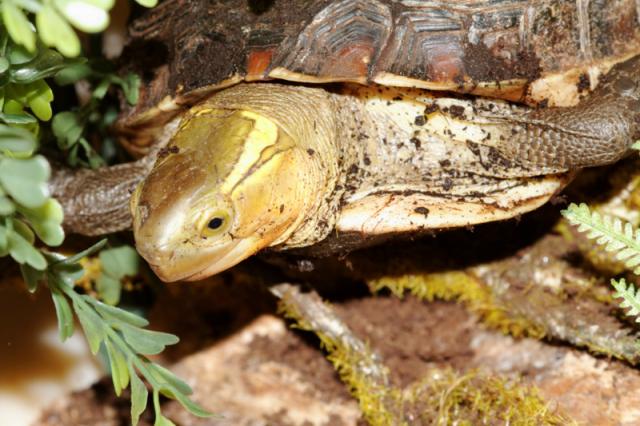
(630, 297)
(612, 233)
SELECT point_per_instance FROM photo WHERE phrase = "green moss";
(443, 397)
(378, 403)
(463, 287)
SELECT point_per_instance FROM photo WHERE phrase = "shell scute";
(514, 49)
(340, 43)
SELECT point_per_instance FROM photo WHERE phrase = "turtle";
(328, 125)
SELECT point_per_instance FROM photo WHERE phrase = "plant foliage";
(616, 237)
(69, 127)
(28, 213)
(55, 21)
(26, 209)
(122, 334)
(630, 297)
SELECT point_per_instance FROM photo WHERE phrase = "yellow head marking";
(220, 195)
(263, 134)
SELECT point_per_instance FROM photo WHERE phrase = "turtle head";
(227, 185)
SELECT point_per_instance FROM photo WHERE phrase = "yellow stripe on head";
(263, 134)
(228, 185)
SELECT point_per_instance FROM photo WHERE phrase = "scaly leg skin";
(96, 202)
(598, 131)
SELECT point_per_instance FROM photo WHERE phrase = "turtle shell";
(529, 51)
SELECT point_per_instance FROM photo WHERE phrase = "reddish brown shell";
(183, 48)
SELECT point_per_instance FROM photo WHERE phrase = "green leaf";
(139, 397)
(13, 106)
(84, 253)
(18, 25)
(109, 289)
(18, 118)
(92, 325)
(26, 180)
(23, 252)
(120, 261)
(147, 342)
(32, 6)
(101, 89)
(63, 312)
(45, 64)
(119, 316)
(131, 88)
(31, 277)
(67, 274)
(164, 375)
(609, 232)
(18, 54)
(163, 421)
(55, 31)
(94, 158)
(46, 221)
(72, 157)
(16, 140)
(147, 3)
(630, 297)
(23, 230)
(4, 242)
(6, 206)
(38, 95)
(72, 74)
(88, 16)
(119, 368)
(67, 127)
(102, 4)
(192, 406)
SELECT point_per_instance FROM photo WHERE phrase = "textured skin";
(96, 202)
(598, 131)
(193, 46)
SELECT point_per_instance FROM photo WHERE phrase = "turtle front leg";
(598, 131)
(96, 202)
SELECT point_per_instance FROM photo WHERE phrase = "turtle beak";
(186, 264)
(176, 254)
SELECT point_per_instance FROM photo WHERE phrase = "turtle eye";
(216, 224)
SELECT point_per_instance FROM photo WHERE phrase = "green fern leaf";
(612, 233)
(630, 297)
